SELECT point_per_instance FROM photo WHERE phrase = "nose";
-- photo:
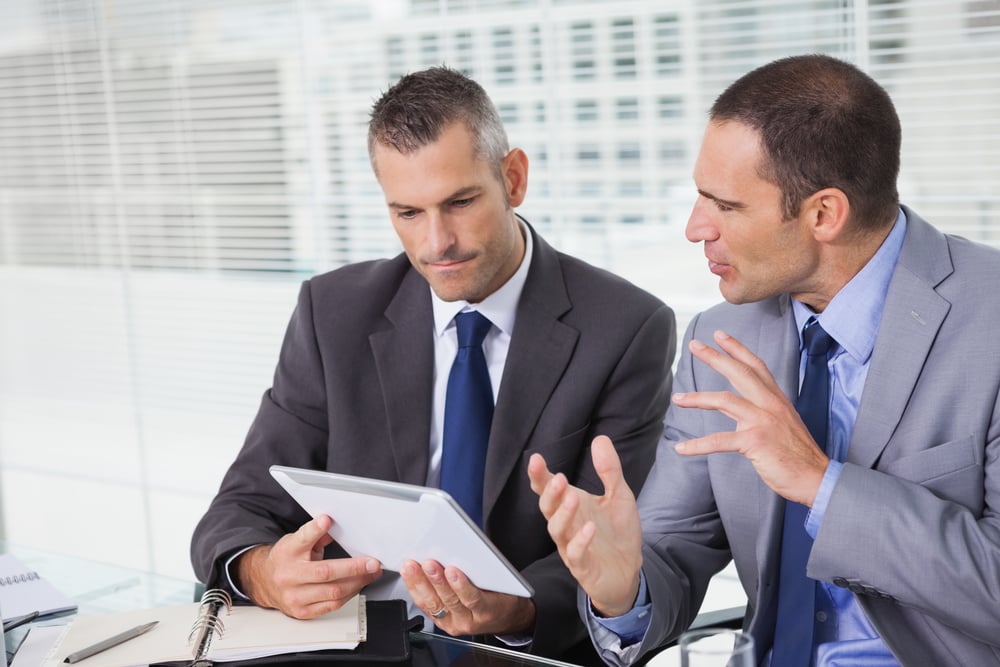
(439, 235)
(701, 223)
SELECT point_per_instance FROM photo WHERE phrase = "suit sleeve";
(684, 542)
(630, 411)
(955, 547)
(290, 429)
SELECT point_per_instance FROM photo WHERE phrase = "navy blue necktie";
(468, 414)
(793, 634)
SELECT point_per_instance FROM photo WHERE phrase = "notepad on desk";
(23, 591)
(242, 633)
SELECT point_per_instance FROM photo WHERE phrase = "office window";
(670, 107)
(503, 45)
(464, 52)
(627, 109)
(171, 171)
(629, 153)
(623, 49)
(539, 113)
(535, 58)
(667, 45)
(508, 113)
(586, 111)
(630, 189)
(395, 56)
(588, 154)
(430, 50)
(583, 51)
(673, 152)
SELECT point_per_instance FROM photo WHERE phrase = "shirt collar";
(853, 315)
(500, 307)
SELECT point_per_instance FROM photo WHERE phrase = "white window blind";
(170, 170)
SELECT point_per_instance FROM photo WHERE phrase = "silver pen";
(120, 638)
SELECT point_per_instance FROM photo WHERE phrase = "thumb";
(312, 534)
(607, 465)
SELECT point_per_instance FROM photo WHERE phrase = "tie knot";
(815, 338)
(472, 328)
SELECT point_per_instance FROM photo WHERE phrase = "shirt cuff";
(630, 627)
(815, 516)
(229, 571)
(515, 641)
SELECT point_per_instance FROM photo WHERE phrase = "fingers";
(293, 576)
(538, 473)
(422, 590)
(733, 406)
(336, 569)
(747, 373)
(709, 444)
(608, 465)
(457, 606)
(576, 548)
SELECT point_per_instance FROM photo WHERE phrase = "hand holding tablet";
(396, 522)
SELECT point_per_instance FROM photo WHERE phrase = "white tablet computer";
(395, 522)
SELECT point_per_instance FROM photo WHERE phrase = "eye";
(722, 206)
(462, 203)
(408, 214)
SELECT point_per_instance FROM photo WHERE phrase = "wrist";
(247, 572)
(614, 609)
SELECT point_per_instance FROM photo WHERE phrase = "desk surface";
(103, 588)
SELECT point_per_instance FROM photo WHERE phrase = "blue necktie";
(468, 413)
(793, 634)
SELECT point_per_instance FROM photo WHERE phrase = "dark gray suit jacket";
(591, 354)
(912, 527)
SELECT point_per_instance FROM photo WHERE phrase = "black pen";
(18, 621)
(120, 638)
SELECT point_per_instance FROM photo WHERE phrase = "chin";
(447, 293)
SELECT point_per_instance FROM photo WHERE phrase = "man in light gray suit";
(360, 386)
(799, 217)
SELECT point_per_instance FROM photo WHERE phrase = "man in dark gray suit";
(360, 386)
(882, 548)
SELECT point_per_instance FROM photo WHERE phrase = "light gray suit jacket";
(590, 354)
(912, 526)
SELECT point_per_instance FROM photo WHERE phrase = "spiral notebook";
(23, 591)
(213, 630)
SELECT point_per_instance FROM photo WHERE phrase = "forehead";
(434, 170)
(730, 156)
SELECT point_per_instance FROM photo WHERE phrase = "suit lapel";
(404, 362)
(540, 349)
(913, 313)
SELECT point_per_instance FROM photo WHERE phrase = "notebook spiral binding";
(18, 578)
(208, 625)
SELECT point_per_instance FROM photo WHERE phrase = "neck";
(838, 263)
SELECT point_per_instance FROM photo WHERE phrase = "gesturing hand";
(769, 431)
(291, 574)
(598, 537)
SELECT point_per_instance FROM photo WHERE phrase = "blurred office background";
(170, 170)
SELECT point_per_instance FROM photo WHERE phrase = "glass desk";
(103, 588)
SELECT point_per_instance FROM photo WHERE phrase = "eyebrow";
(724, 202)
(461, 193)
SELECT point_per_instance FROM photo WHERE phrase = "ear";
(515, 176)
(828, 212)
